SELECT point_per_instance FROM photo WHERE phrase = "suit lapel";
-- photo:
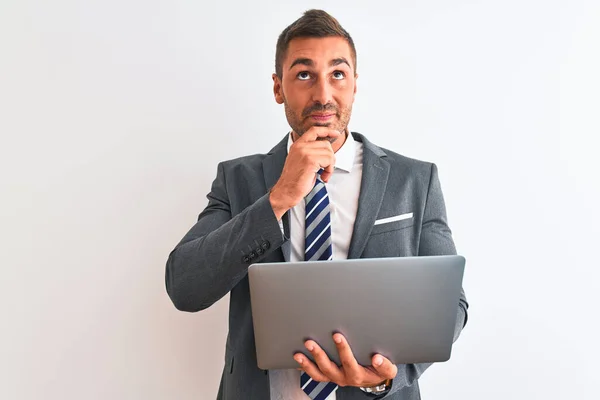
(272, 167)
(372, 188)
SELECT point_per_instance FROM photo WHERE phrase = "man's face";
(318, 83)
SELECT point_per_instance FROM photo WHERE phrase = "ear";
(355, 86)
(277, 89)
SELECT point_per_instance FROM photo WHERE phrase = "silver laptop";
(403, 308)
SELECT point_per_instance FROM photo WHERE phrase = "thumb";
(384, 367)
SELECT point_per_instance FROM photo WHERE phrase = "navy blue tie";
(317, 246)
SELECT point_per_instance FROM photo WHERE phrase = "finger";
(310, 368)
(321, 159)
(316, 132)
(310, 154)
(311, 146)
(352, 370)
(327, 172)
(328, 167)
(384, 367)
(325, 365)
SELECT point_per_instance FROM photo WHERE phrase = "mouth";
(322, 117)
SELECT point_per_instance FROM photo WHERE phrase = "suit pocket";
(393, 223)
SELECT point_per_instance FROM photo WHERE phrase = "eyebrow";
(302, 61)
(309, 63)
(338, 61)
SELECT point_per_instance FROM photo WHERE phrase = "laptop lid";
(404, 308)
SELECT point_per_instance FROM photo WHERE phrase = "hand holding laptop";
(295, 303)
(351, 373)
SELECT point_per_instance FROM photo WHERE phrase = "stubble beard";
(296, 122)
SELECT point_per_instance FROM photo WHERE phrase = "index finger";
(319, 132)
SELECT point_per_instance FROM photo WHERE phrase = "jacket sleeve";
(436, 239)
(216, 253)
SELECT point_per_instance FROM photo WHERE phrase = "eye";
(339, 75)
(303, 76)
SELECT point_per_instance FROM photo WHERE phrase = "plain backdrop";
(114, 115)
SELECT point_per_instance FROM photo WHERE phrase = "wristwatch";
(379, 389)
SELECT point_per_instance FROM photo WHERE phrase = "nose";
(322, 92)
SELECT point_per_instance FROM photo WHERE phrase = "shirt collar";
(344, 157)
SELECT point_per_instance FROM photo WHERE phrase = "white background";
(114, 114)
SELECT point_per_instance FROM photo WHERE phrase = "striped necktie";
(317, 247)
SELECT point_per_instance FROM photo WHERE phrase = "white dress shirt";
(343, 189)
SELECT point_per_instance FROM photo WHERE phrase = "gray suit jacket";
(238, 228)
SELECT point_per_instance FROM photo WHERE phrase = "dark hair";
(313, 24)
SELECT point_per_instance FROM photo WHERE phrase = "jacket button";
(252, 255)
(259, 251)
(265, 245)
(246, 259)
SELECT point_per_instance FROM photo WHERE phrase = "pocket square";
(394, 219)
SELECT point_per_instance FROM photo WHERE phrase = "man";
(263, 208)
